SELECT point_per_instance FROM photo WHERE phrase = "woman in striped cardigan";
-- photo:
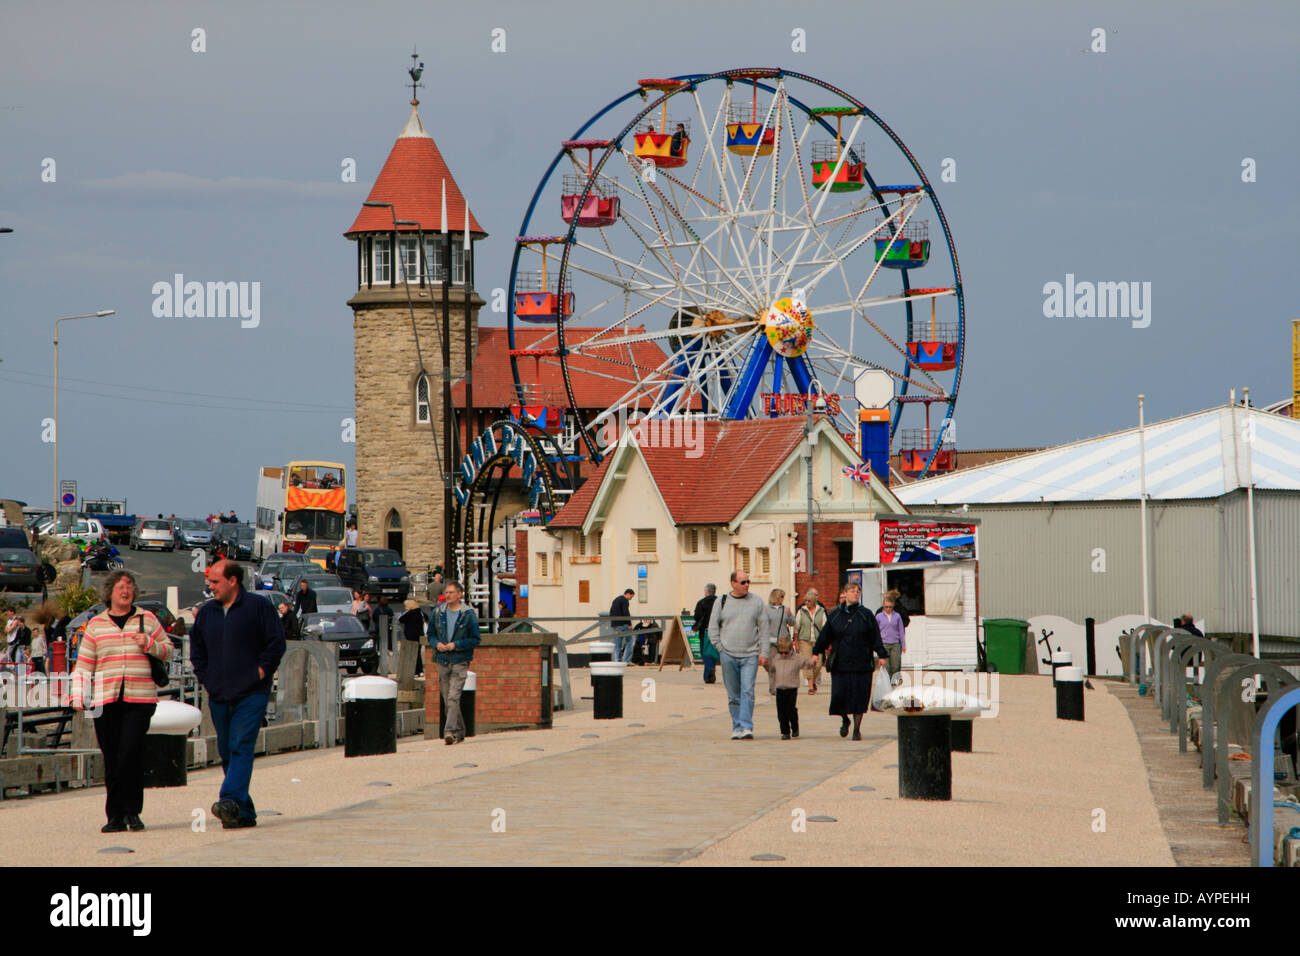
(114, 681)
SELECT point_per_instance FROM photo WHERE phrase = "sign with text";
(904, 541)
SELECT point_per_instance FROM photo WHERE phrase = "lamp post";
(808, 442)
(67, 318)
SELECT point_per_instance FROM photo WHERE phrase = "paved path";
(654, 797)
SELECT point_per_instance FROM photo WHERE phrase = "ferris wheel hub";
(788, 325)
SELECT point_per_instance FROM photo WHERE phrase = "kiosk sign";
(903, 541)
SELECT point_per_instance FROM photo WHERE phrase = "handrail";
(1252, 666)
(1261, 810)
(1204, 646)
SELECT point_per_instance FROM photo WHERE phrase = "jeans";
(237, 723)
(451, 681)
(738, 675)
(121, 730)
(624, 643)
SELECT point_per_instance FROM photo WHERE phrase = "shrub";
(76, 599)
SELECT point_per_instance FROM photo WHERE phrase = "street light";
(67, 318)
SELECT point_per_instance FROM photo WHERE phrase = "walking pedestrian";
(808, 623)
(412, 621)
(38, 649)
(784, 667)
(454, 633)
(738, 631)
(620, 619)
(288, 622)
(708, 653)
(236, 645)
(361, 609)
(893, 633)
(779, 622)
(304, 602)
(351, 537)
(853, 640)
(114, 680)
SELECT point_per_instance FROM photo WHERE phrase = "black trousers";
(121, 730)
(787, 711)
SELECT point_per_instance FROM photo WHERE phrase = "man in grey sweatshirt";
(738, 629)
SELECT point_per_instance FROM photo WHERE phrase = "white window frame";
(381, 264)
(423, 410)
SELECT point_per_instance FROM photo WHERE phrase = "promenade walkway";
(674, 790)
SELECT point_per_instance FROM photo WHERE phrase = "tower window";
(408, 253)
(422, 400)
(383, 260)
(433, 255)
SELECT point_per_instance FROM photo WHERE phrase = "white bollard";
(174, 599)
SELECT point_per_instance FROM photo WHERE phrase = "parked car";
(19, 567)
(333, 600)
(266, 574)
(191, 533)
(238, 542)
(153, 533)
(14, 538)
(275, 597)
(374, 571)
(312, 575)
(356, 647)
(75, 528)
(284, 576)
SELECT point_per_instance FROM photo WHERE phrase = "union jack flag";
(860, 472)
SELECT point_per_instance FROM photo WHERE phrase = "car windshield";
(334, 627)
(157, 526)
(333, 596)
(189, 525)
(243, 535)
(17, 557)
(383, 559)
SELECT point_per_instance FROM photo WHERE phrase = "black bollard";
(607, 689)
(369, 716)
(165, 760)
(1090, 643)
(1069, 693)
(925, 757)
(962, 738)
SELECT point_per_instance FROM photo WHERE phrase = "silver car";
(333, 601)
(153, 533)
(191, 533)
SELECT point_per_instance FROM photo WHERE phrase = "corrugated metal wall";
(1277, 554)
(1040, 559)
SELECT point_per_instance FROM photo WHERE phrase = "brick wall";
(510, 692)
(827, 537)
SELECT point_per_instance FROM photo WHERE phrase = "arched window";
(394, 521)
(422, 400)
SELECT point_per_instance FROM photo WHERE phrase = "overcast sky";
(225, 165)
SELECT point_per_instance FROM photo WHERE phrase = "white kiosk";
(933, 563)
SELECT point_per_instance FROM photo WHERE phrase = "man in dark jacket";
(852, 634)
(620, 619)
(235, 646)
(304, 602)
(1186, 623)
(703, 608)
(454, 634)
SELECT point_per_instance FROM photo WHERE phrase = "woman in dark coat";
(852, 634)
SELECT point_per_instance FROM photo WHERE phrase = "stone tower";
(399, 417)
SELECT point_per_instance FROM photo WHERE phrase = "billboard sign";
(904, 541)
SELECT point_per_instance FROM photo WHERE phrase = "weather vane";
(416, 71)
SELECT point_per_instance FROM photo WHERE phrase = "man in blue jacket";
(235, 645)
(454, 634)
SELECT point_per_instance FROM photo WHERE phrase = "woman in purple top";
(893, 634)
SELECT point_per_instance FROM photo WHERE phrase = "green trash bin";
(1004, 644)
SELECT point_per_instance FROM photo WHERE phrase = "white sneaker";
(735, 735)
(746, 736)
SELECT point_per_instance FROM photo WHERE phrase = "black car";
(374, 571)
(19, 569)
(237, 542)
(14, 538)
(356, 646)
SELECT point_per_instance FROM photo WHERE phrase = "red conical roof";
(412, 180)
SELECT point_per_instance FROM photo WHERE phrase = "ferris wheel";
(718, 244)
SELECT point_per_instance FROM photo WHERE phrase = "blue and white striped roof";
(1195, 456)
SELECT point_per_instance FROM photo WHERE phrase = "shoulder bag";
(157, 669)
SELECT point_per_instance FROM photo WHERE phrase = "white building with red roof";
(681, 503)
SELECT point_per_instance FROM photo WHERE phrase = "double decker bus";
(300, 504)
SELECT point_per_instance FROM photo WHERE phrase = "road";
(155, 571)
